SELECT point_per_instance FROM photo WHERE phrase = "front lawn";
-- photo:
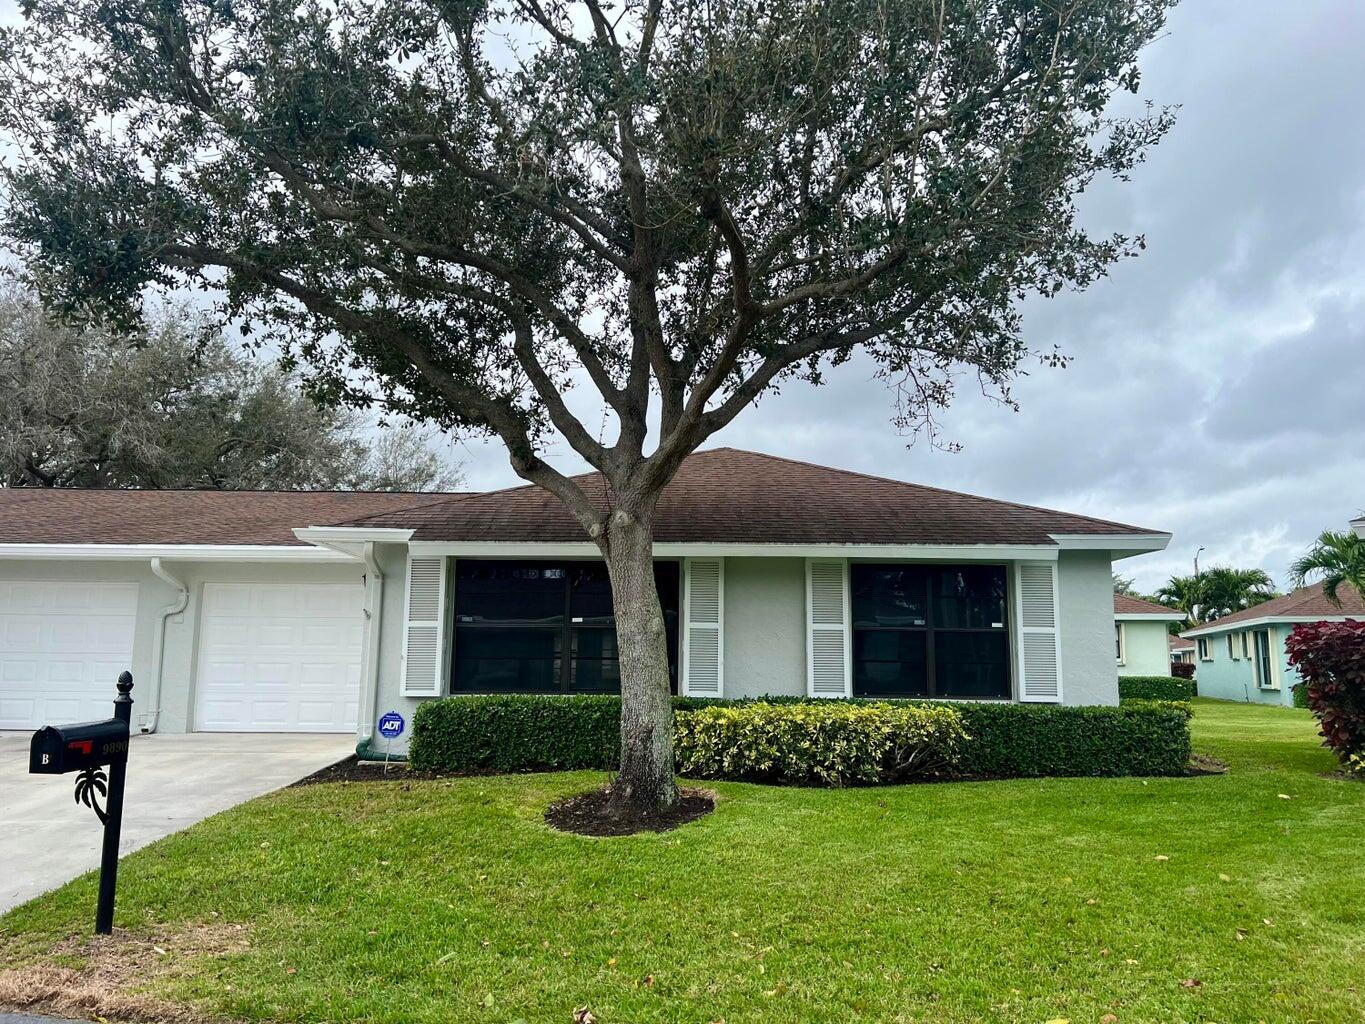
(1196, 899)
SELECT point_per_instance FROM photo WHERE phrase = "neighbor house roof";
(42, 515)
(1179, 643)
(1307, 604)
(730, 496)
(1127, 605)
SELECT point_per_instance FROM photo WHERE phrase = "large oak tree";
(458, 208)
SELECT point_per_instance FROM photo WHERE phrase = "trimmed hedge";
(828, 744)
(551, 733)
(1155, 688)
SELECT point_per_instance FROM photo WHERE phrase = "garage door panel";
(62, 646)
(280, 657)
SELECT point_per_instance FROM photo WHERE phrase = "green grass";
(1001, 901)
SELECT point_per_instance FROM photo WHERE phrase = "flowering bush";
(1330, 656)
(825, 744)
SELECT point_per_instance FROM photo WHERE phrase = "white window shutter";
(423, 643)
(829, 657)
(703, 648)
(1040, 667)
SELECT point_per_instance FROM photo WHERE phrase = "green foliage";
(1339, 558)
(825, 744)
(1155, 688)
(1215, 592)
(176, 406)
(543, 733)
(1299, 695)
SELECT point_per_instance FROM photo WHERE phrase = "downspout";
(159, 640)
(369, 680)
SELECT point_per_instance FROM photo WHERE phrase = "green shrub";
(1299, 694)
(1142, 738)
(551, 733)
(831, 744)
(1155, 688)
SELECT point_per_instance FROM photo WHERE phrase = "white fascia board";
(587, 549)
(1268, 620)
(175, 552)
(1120, 545)
(1148, 617)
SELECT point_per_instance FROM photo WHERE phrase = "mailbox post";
(86, 748)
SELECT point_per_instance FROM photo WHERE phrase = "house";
(1182, 650)
(1359, 526)
(1242, 656)
(1140, 632)
(307, 611)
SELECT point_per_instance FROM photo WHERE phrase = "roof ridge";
(225, 490)
(449, 499)
(929, 487)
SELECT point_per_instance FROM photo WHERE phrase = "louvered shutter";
(1040, 669)
(829, 661)
(703, 669)
(425, 615)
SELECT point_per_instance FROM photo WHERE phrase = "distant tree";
(1124, 585)
(463, 208)
(1338, 558)
(176, 406)
(1215, 592)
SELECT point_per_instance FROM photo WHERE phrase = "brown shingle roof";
(1304, 603)
(1179, 643)
(730, 496)
(1127, 605)
(40, 515)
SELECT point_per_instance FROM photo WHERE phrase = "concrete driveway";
(47, 839)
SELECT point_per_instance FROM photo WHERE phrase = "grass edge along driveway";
(1202, 899)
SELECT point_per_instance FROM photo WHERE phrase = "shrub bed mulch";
(591, 814)
(352, 769)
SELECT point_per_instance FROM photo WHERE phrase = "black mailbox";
(58, 749)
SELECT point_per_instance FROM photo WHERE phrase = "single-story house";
(321, 611)
(1182, 650)
(1359, 526)
(1140, 632)
(1242, 656)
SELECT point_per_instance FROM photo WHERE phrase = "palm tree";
(1183, 594)
(1339, 557)
(1227, 590)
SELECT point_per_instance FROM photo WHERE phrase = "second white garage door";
(278, 657)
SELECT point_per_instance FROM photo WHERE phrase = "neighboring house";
(1242, 657)
(1359, 526)
(775, 576)
(1182, 650)
(1140, 632)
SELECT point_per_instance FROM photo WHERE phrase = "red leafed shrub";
(1331, 658)
(1183, 669)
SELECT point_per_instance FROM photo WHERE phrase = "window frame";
(931, 629)
(1203, 649)
(566, 628)
(1121, 640)
(1266, 678)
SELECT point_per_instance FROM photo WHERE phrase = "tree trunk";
(645, 782)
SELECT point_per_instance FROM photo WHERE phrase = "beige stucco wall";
(1085, 591)
(1146, 651)
(765, 627)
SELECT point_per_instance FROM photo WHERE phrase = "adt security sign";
(391, 725)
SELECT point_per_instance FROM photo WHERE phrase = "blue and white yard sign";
(391, 725)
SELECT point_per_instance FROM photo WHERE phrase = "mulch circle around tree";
(590, 814)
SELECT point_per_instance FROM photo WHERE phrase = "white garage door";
(279, 657)
(62, 647)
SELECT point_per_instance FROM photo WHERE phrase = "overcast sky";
(1219, 380)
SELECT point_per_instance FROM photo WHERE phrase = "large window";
(544, 627)
(929, 631)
